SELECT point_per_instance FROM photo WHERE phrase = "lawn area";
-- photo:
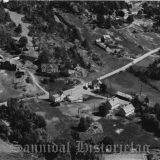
(128, 83)
(6, 89)
(57, 123)
(145, 62)
(132, 132)
(57, 85)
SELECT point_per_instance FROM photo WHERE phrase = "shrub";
(18, 29)
(45, 81)
(23, 41)
(83, 125)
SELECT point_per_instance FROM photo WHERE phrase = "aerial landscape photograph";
(79, 80)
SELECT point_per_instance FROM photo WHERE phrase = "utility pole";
(78, 112)
(141, 89)
(109, 83)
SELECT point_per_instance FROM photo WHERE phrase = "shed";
(124, 96)
(106, 38)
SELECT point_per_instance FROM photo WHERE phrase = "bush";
(45, 81)
(103, 109)
(18, 30)
(64, 74)
(23, 41)
(83, 125)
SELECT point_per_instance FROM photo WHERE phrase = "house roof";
(85, 108)
(125, 10)
(58, 94)
(95, 81)
(128, 108)
(16, 62)
(123, 95)
(106, 36)
(18, 80)
(22, 84)
(2, 122)
(114, 101)
(45, 65)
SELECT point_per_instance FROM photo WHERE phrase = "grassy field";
(128, 83)
(129, 40)
(132, 132)
(59, 84)
(145, 62)
(6, 89)
(57, 123)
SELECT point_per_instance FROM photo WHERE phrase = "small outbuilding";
(106, 38)
(96, 84)
(57, 97)
(124, 96)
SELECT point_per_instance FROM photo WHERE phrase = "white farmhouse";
(127, 110)
(58, 97)
(113, 103)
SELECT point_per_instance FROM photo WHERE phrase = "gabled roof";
(106, 36)
(60, 92)
(124, 95)
(22, 84)
(45, 65)
(125, 10)
(114, 101)
(57, 94)
(128, 108)
(95, 81)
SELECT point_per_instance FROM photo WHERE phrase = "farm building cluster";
(122, 103)
(112, 47)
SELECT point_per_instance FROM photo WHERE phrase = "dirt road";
(129, 64)
(46, 96)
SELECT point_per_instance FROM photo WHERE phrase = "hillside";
(10, 152)
(63, 63)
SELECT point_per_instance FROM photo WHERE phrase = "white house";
(127, 110)
(113, 103)
(106, 38)
(96, 84)
(58, 97)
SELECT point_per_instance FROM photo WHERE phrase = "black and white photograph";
(79, 80)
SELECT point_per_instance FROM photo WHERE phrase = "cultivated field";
(128, 83)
